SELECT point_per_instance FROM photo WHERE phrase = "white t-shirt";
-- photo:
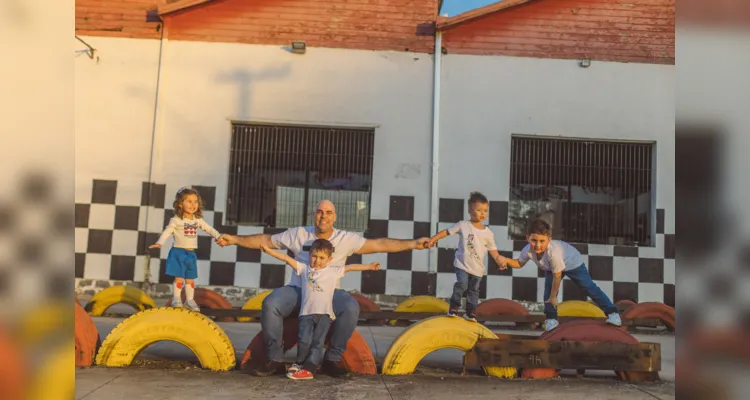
(473, 245)
(317, 293)
(299, 239)
(185, 232)
(560, 256)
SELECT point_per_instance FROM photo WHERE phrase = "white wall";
(487, 99)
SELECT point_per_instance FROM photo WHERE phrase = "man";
(283, 301)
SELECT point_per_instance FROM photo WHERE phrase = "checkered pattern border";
(112, 239)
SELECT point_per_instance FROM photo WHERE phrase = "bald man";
(284, 301)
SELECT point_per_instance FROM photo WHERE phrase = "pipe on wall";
(434, 199)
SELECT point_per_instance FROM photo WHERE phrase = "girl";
(182, 262)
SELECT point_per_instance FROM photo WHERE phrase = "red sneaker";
(302, 374)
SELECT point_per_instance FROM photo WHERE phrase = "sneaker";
(453, 313)
(192, 305)
(294, 368)
(177, 302)
(334, 369)
(614, 319)
(300, 375)
(470, 317)
(551, 324)
(269, 368)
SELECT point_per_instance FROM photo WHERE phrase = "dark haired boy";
(316, 312)
(475, 241)
(557, 259)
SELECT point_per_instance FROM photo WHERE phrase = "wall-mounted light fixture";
(585, 62)
(299, 47)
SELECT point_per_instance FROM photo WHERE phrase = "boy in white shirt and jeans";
(316, 312)
(475, 241)
(557, 259)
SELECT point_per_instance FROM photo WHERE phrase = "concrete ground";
(168, 370)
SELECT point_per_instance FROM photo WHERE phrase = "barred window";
(278, 173)
(597, 192)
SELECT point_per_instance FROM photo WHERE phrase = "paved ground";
(168, 370)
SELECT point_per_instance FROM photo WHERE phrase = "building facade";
(561, 109)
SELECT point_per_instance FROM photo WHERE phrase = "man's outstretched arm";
(249, 241)
(387, 245)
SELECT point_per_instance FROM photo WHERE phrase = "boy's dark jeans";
(468, 284)
(582, 278)
(313, 330)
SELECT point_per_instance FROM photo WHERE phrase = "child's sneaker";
(470, 317)
(614, 319)
(453, 313)
(192, 305)
(293, 369)
(300, 375)
(551, 324)
(177, 302)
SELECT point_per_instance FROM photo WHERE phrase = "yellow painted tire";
(436, 333)
(195, 331)
(55, 379)
(136, 298)
(45, 321)
(577, 308)
(254, 303)
(421, 304)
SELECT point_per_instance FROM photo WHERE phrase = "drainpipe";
(434, 199)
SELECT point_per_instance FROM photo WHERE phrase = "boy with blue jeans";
(475, 241)
(316, 312)
(557, 259)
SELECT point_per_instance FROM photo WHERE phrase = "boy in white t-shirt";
(557, 259)
(316, 312)
(475, 241)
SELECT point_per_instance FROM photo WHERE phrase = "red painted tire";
(651, 310)
(502, 307)
(357, 358)
(623, 305)
(14, 379)
(582, 331)
(367, 305)
(207, 298)
(86, 338)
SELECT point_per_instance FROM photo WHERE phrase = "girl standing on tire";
(182, 262)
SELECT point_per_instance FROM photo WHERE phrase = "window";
(278, 173)
(589, 191)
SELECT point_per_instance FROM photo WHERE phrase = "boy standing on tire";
(557, 259)
(316, 311)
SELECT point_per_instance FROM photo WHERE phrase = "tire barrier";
(255, 303)
(578, 308)
(367, 305)
(207, 298)
(428, 335)
(136, 298)
(357, 358)
(623, 305)
(652, 310)
(54, 379)
(582, 331)
(421, 304)
(86, 338)
(195, 331)
(13, 368)
(502, 307)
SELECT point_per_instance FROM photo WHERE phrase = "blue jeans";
(285, 301)
(312, 335)
(468, 284)
(582, 278)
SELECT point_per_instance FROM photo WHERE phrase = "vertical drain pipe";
(434, 199)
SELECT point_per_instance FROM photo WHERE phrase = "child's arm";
(169, 230)
(281, 257)
(208, 229)
(504, 262)
(362, 267)
(443, 234)
(555, 287)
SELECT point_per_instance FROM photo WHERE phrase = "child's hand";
(375, 266)
(502, 263)
(155, 246)
(264, 248)
(552, 301)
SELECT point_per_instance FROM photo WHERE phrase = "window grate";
(595, 192)
(278, 173)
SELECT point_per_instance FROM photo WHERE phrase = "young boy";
(316, 313)
(557, 259)
(475, 241)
